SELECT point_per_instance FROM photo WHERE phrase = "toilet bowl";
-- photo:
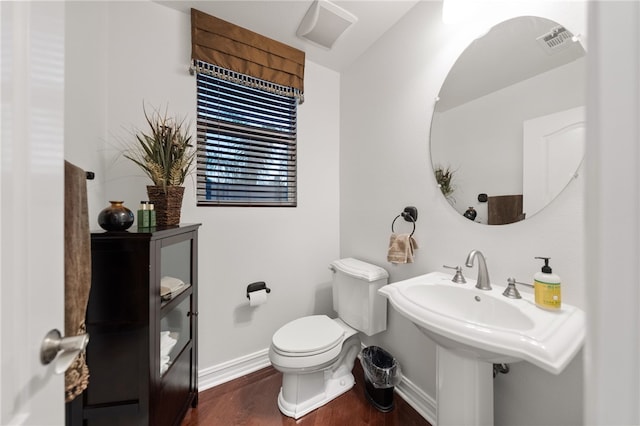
(316, 353)
(316, 368)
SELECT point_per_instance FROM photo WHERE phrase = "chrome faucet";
(483, 282)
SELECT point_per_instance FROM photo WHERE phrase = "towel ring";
(406, 217)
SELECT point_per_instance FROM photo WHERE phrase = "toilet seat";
(307, 336)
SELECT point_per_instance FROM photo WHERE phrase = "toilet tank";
(355, 294)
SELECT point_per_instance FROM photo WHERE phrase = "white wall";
(387, 103)
(612, 353)
(86, 95)
(142, 52)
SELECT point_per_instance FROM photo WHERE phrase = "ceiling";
(498, 59)
(279, 20)
(508, 54)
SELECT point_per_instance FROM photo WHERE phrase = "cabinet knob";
(195, 314)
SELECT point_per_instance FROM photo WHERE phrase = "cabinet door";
(176, 291)
(175, 331)
(176, 361)
(176, 346)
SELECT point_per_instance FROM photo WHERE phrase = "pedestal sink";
(474, 329)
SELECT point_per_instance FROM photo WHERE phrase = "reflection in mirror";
(509, 120)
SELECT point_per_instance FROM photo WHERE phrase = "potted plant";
(444, 177)
(165, 154)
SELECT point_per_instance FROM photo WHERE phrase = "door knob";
(68, 347)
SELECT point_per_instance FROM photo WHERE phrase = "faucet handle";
(511, 291)
(458, 277)
(521, 283)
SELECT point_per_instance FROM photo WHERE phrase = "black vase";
(471, 213)
(115, 217)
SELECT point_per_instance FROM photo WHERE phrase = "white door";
(553, 150)
(31, 209)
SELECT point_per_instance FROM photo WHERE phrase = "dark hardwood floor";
(252, 400)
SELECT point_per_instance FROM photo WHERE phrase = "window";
(249, 87)
(246, 145)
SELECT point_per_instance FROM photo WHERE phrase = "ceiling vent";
(555, 40)
(324, 23)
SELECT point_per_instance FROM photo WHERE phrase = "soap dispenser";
(547, 287)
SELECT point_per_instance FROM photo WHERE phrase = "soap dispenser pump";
(546, 286)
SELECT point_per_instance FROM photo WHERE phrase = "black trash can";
(381, 374)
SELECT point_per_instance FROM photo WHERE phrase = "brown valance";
(242, 51)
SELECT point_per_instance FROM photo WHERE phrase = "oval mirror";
(507, 134)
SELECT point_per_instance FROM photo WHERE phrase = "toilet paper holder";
(257, 286)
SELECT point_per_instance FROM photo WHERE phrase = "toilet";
(315, 354)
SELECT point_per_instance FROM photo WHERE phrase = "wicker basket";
(166, 204)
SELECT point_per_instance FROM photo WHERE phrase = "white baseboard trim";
(418, 399)
(235, 368)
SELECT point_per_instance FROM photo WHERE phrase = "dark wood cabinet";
(142, 352)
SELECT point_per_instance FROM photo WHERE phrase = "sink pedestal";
(465, 390)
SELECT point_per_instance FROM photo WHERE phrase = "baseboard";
(418, 399)
(235, 368)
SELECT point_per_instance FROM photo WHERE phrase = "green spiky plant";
(444, 177)
(164, 153)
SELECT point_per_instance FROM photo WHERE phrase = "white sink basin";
(487, 326)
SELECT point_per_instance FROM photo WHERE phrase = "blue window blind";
(246, 145)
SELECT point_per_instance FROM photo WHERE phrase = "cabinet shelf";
(167, 305)
(142, 352)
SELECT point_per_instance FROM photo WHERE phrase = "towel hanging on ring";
(401, 248)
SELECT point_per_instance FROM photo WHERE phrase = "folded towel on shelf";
(167, 342)
(170, 287)
(164, 364)
(401, 248)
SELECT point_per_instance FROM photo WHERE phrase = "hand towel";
(401, 248)
(168, 340)
(77, 272)
(165, 361)
(166, 344)
(170, 287)
(503, 209)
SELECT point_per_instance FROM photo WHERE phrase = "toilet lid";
(308, 335)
